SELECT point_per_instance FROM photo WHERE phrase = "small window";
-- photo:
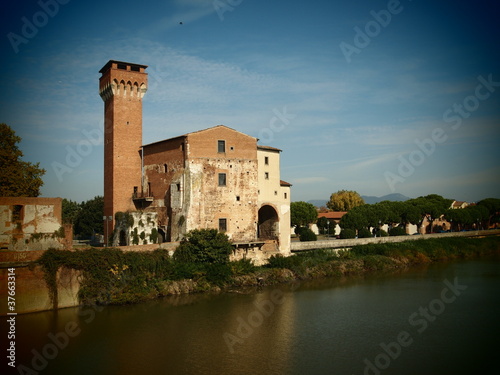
(178, 187)
(17, 215)
(266, 175)
(135, 68)
(135, 191)
(222, 179)
(237, 198)
(266, 160)
(221, 146)
(122, 66)
(222, 225)
(275, 192)
(165, 168)
(285, 195)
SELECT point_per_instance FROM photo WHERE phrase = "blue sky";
(373, 96)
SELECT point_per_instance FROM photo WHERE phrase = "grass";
(111, 276)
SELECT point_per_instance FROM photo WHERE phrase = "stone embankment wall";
(345, 244)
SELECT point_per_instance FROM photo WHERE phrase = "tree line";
(361, 217)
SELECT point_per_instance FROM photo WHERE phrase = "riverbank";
(111, 276)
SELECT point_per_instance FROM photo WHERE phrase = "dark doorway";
(268, 223)
(123, 238)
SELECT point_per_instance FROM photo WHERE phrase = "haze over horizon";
(378, 97)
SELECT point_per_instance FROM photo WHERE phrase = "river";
(439, 319)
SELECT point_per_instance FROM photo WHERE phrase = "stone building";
(213, 178)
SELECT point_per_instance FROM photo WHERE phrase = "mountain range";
(369, 199)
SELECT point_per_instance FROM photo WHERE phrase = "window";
(122, 66)
(285, 195)
(221, 146)
(222, 179)
(266, 160)
(17, 213)
(165, 168)
(237, 198)
(222, 225)
(266, 175)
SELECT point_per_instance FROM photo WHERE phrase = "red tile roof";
(337, 215)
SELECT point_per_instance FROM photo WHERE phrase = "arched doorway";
(268, 223)
(123, 238)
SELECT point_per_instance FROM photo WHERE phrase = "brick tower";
(122, 86)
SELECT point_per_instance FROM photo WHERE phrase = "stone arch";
(129, 89)
(142, 90)
(268, 225)
(121, 88)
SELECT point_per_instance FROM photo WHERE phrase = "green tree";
(322, 224)
(89, 218)
(493, 207)
(307, 235)
(302, 213)
(355, 219)
(18, 178)
(70, 211)
(204, 246)
(344, 200)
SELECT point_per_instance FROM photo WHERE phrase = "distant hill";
(396, 197)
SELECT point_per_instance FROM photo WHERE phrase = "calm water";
(425, 324)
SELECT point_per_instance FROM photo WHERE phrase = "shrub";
(242, 267)
(307, 234)
(364, 233)
(204, 246)
(397, 231)
(347, 233)
(382, 233)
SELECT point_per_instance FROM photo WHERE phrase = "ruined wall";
(164, 167)
(32, 224)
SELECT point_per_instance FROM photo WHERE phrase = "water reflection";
(315, 327)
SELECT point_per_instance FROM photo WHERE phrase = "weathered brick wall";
(122, 91)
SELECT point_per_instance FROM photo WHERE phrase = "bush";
(242, 267)
(364, 233)
(382, 233)
(204, 246)
(298, 230)
(397, 231)
(347, 233)
(307, 234)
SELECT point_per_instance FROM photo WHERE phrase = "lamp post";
(105, 219)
